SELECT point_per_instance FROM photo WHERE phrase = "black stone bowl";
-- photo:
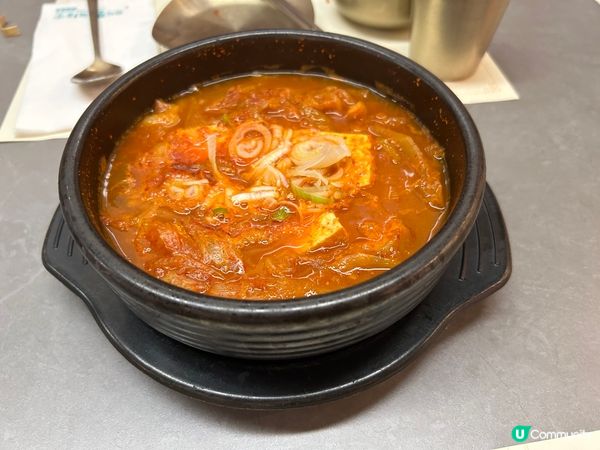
(273, 329)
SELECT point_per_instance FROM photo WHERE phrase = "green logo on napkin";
(520, 433)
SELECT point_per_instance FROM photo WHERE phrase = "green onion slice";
(219, 211)
(281, 214)
(312, 194)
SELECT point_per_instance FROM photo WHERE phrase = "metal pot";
(377, 14)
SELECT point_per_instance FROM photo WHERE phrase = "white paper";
(62, 46)
(7, 130)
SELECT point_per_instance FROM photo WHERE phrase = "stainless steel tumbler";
(449, 37)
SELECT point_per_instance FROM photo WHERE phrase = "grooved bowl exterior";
(293, 338)
(288, 328)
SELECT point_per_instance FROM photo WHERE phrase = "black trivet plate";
(482, 266)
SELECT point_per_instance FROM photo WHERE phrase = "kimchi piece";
(273, 187)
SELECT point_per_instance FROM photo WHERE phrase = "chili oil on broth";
(273, 187)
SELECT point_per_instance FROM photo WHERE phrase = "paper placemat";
(488, 84)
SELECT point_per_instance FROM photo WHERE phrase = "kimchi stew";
(273, 187)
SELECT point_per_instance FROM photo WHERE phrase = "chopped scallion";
(311, 194)
(219, 211)
(281, 214)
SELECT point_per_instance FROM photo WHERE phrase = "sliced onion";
(337, 175)
(319, 151)
(192, 182)
(252, 196)
(271, 158)
(238, 148)
(280, 179)
(211, 142)
(269, 202)
(261, 188)
(277, 134)
(310, 173)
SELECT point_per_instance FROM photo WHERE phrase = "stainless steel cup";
(449, 37)
(377, 14)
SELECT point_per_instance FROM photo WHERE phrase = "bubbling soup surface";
(273, 187)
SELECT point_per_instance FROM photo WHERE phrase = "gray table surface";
(528, 354)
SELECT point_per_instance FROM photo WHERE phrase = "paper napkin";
(62, 46)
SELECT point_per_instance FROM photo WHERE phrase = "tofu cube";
(362, 159)
(322, 230)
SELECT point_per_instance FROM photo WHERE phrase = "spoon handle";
(93, 14)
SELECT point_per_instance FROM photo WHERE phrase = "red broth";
(273, 187)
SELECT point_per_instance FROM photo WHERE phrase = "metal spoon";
(184, 21)
(292, 13)
(99, 71)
